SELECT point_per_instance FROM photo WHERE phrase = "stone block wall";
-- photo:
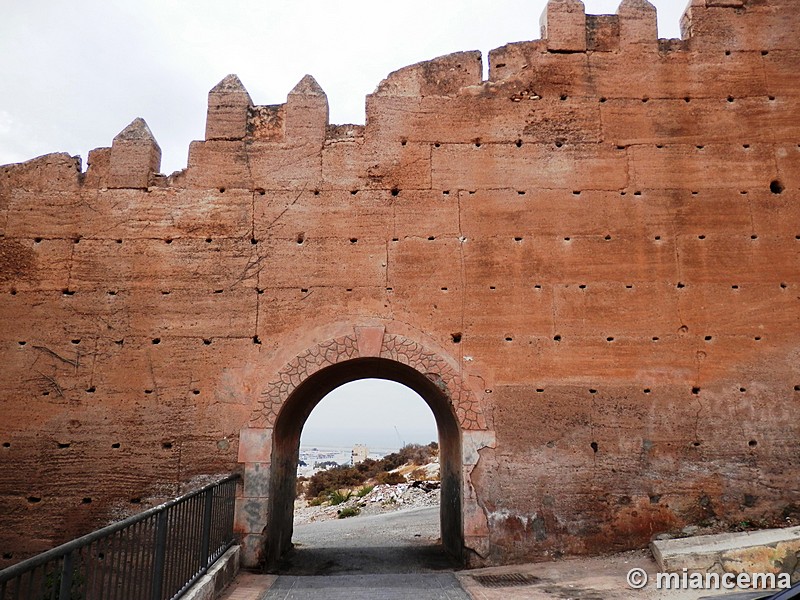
(603, 237)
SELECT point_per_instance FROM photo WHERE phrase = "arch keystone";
(369, 340)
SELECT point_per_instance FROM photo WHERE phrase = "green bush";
(365, 490)
(337, 497)
(349, 511)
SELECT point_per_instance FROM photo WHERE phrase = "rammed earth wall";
(594, 254)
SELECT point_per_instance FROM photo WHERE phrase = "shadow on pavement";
(331, 560)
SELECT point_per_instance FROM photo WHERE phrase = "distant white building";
(359, 454)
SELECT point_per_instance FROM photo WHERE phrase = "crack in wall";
(463, 275)
(258, 312)
(593, 443)
(251, 187)
(74, 363)
(253, 215)
(386, 292)
(71, 262)
(773, 139)
(678, 273)
(752, 216)
(285, 210)
(92, 316)
(152, 370)
(697, 418)
(95, 354)
(255, 266)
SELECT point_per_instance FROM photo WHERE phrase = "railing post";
(157, 546)
(65, 592)
(207, 513)
(159, 559)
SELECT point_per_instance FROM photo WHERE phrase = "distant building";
(359, 454)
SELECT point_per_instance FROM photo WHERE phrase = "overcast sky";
(74, 74)
(367, 412)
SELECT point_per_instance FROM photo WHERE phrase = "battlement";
(565, 27)
(578, 55)
(707, 26)
(738, 25)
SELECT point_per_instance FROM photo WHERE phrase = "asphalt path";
(405, 541)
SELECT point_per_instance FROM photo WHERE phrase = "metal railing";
(155, 555)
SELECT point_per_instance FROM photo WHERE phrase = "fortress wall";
(605, 236)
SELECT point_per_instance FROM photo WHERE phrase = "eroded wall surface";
(604, 238)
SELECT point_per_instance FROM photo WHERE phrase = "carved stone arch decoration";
(370, 342)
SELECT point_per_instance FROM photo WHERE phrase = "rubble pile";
(381, 499)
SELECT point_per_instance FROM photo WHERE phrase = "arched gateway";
(269, 446)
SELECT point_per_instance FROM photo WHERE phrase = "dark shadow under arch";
(286, 446)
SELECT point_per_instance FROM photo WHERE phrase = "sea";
(314, 456)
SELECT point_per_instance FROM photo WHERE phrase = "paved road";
(405, 541)
(422, 586)
(393, 556)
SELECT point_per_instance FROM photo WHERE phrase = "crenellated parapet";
(563, 26)
(135, 157)
(233, 116)
(442, 76)
(595, 57)
(736, 24)
(306, 113)
(228, 109)
(260, 146)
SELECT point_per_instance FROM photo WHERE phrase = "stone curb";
(217, 578)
